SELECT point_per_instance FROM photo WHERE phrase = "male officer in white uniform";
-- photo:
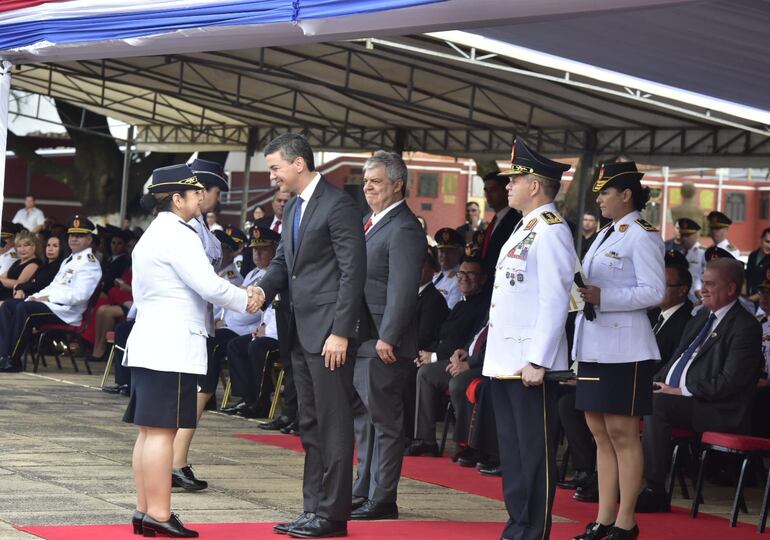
(719, 224)
(527, 337)
(61, 302)
(7, 250)
(451, 246)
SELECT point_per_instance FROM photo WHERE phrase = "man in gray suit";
(321, 260)
(395, 249)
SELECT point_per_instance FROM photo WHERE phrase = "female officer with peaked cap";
(614, 342)
(173, 283)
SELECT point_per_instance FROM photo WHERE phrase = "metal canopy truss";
(416, 93)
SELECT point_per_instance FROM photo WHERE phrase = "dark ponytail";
(641, 196)
(160, 202)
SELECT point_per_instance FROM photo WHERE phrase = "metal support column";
(250, 144)
(126, 169)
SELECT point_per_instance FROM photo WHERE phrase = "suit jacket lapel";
(309, 210)
(381, 223)
(717, 332)
(287, 232)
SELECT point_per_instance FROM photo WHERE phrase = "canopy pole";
(250, 144)
(126, 170)
(664, 210)
(583, 177)
(5, 99)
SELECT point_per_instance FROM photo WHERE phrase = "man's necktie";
(367, 225)
(658, 324)
(678, 369)
(488, 236)
(480, 340)
(277, 226)
(438, 278)
(297, 218)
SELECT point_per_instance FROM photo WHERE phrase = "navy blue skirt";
(162, 399)
(624, 389)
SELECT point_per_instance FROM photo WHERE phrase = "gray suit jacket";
(325, 273)
(395, 251)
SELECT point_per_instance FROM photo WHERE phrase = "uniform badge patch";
(551, 218)
(623, 228)
(230, 273)
(646, 225)
(521, 250)
(531, 224)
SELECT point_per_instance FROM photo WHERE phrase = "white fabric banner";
(5, 98)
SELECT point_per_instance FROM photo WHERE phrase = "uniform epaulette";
(551, 218)
(91, 257)
(188, 226)
(13, 255)
(646, 225)
(732, 247)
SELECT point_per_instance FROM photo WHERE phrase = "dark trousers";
(526, 428)
(379, 426)
(122, 373)
(17, 319)
(326, 428)
(409, 401)
(483, 430)
(463, 408)
(667, 411)
(760, 422)
(249, 372)
(579, 438)
(283, 325)
(432, 384)
(216, 348)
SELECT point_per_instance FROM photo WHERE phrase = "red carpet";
(442, 472)
(381, 530)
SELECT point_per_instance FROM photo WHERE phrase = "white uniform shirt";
(7, 259)
(446, 283)
(29, 220)
(696, 261)
(629, 269)
(71, 289)
(531, 294)
(173, 285)
(764, 320)
(728, 247)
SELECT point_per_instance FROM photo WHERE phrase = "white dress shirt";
(306, 194)
(377, 217)
(668, 313)
(29, 219)
(279, 221)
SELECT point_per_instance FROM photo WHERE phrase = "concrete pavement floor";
(66, 460)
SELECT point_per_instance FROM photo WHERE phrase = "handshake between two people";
(256, 299)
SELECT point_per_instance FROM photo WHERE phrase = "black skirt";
(624, 389)
(162, 399)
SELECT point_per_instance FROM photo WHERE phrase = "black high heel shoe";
(595, 531)
(136, 521)
(172, 528)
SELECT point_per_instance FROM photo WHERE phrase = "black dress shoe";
(234, 409)
(172, 528)
(616, 533)
(7, 365)
(579, 479)
(115, 388)
(136, 521)
(275, 424)
(252, 411)
(357, 502)
(595, 531)
(125, 390)
(185, 478)
(319, 527)
(375, 510)
(292, 428)
(652, 500)
(283, 528)
(419, 448)
(490, 469)
(468, 457)
(588, 492)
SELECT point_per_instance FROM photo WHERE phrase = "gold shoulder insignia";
(551, 218)
(531, 224)
(91, 257)
(230, 273)
(13, 255)
(646, 226)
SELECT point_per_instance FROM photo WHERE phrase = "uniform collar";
(627, 219)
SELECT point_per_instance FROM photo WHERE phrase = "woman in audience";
(55, 251)
(109, 311)
(25, 266)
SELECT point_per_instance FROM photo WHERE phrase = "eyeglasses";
(467, 275)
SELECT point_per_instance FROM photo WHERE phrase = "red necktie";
(488, 236)
(367, 225)
(277, 226)
(480, 340)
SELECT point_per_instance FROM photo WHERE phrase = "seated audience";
(110, 309)
(451, 248)
(25, 266)
(760, 421)
(30, 217)
(757, 265)
(709, 381)
(675, 311)
(473, 221)
(62, 302)
(55, 251)
(116, 263)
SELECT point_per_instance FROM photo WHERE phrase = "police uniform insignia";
(646, 225)
(238, 264)
(91, 257)
(229, 231)
(530, 224)
(76, 223)
(551, 218)
(519, 277)
(623, 228)
(446, 237)
(230, 274)
(13, 255)
(521, 250)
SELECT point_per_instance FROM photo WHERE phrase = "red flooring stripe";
(442, 472)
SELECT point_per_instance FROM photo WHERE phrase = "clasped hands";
(256, 298)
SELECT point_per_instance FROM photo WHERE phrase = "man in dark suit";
(709, 381)
(321, 260)
(676, 309)
(395, 249)
(491, 239)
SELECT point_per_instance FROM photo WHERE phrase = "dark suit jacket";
(325, 273)
(431, 313)
(724, 373)
(395, 251)
(500, 235)
(670, 334)
(465, 319)
(114, 268)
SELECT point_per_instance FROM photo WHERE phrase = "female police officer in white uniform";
(614, 341)
(173, 282)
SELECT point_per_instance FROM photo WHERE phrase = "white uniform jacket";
(629, 269)
(531, 294)
(695, 263)
(213, 248)
(7, 259)
(72, 287)
(173, 284)
(243, 323)
(448, 286)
